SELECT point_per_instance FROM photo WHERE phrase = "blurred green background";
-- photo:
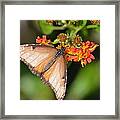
(82, 83)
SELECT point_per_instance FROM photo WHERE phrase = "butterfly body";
(48, 63)
(58, 54)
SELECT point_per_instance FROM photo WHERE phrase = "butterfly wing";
(36, 56)
(56, 76)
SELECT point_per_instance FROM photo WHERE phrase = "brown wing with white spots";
(56, 76)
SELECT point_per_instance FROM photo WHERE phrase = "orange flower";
(71, 50)
(43, 40)
(70, 58)
(83, 62)
(82, 54)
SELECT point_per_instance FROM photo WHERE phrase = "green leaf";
(84, 22)
(45, 27)
(84, 32)
(83, 25)
(97, 29)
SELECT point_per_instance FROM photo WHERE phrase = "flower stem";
(60, 28)
(91, 26)
(78, 28)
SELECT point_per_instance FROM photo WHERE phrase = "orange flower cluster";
(43, 40)
(62, 37)
(82, 54)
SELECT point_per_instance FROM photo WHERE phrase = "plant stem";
(60, 28)
(79, 28)
(91, 26)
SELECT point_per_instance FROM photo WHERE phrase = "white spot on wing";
(31, 48)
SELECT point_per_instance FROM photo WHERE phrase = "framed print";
(59, 59)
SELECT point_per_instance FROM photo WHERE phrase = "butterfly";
(48, 63)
